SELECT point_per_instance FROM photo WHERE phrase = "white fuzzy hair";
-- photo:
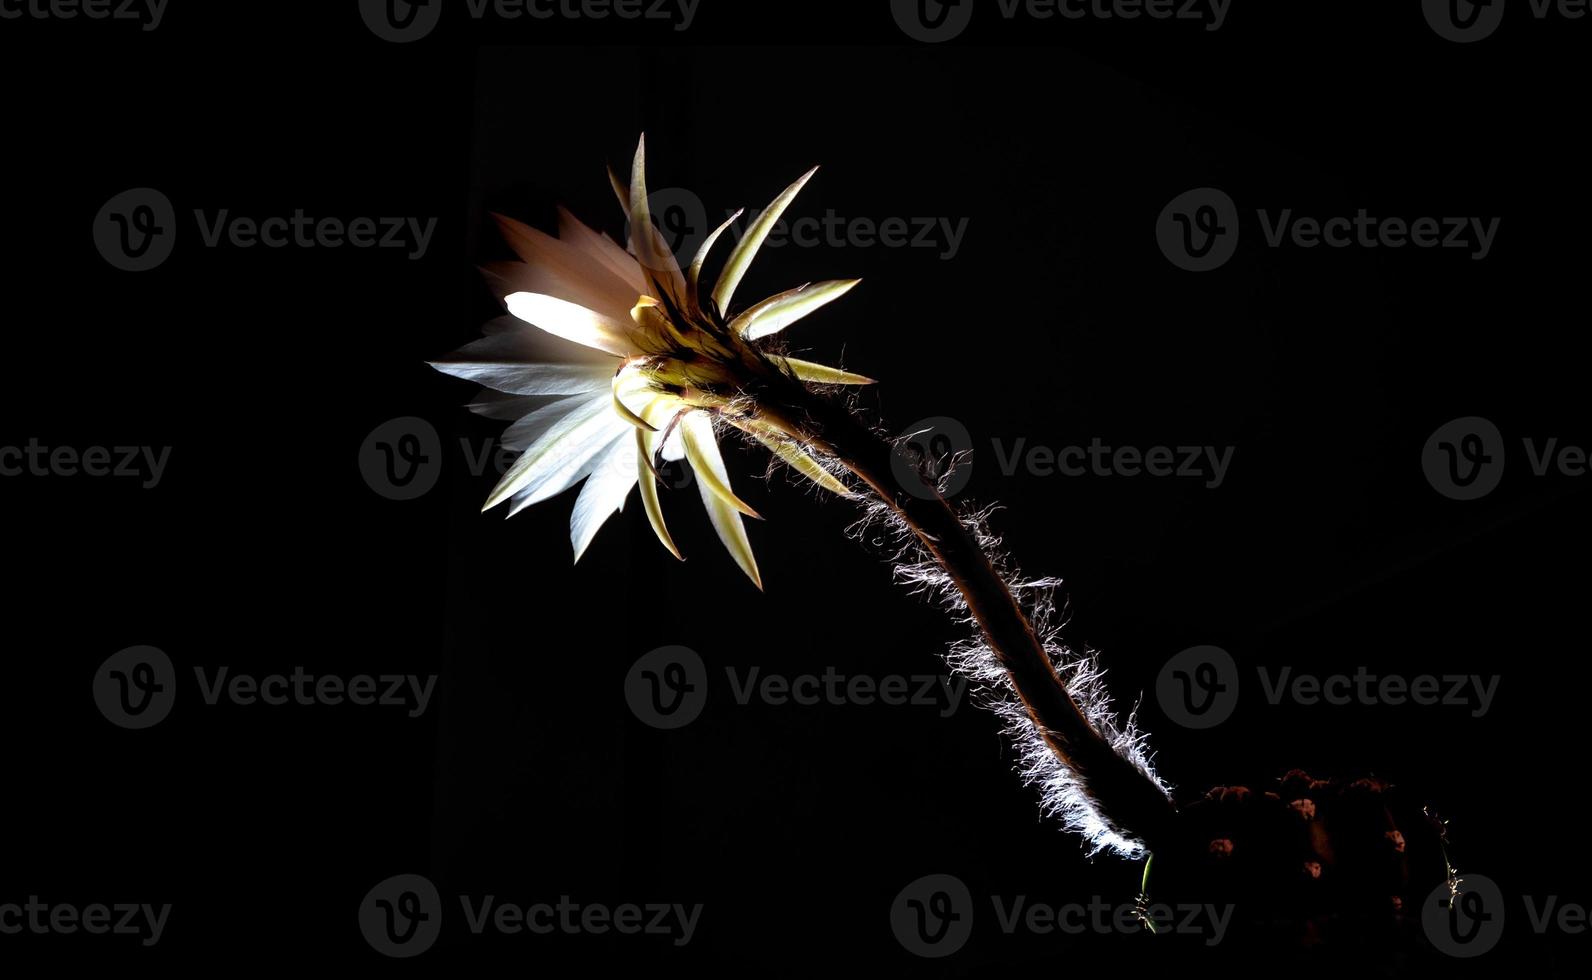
(1062, 792)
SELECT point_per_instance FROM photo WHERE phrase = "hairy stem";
(1122, 792)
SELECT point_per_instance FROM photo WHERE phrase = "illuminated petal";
(631, 385)
(602, 249)
(571, 322)
(694, 276)
(559, 457)
(823, 373)
(496, 405)
(645, 442)
(659, 410)
(800, 460)
(604, 493)
(702, 449)
(561, 269)
(746, 249)
(726, 518)
(657, 261)
(655, 331)
(505, 362)
(778, 312)
(530, 427)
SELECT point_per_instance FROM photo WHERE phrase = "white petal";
(554, 462)
(529, 497)
(541, 347)
(693, 278)
(778, 312)
(561, 269)
(496, 405)
(746, 250)
(602, 249)
(576, 323)
(658, 263)
(702, 449)
(531, 426)
(726, 519)
(645, 445)
(659, 411)
(605, 491)
(504, 362)
(823, 373)
(799, 459)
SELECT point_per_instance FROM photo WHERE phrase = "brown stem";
(1127, 797)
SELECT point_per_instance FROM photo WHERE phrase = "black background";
(1058, 321)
